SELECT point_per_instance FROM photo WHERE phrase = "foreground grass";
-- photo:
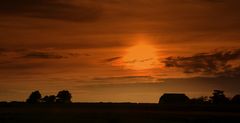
(118, 113)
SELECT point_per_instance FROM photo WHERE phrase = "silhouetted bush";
(200, 100)
(236, 99)
(64, 97)
(35, 97)
(173, 99)
(219, 97)
(49, 99)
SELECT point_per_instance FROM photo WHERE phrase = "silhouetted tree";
(35, 97)
(49, 99)
(64, 97)
(219, 97)
(236, 99)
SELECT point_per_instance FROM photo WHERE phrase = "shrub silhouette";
(219, 97)
(200, 100)
(35, 97)
(64, 97)
(236, 99)
(49, 99)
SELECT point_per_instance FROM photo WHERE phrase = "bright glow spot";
(141, 56)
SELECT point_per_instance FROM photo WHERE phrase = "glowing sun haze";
(141, 56)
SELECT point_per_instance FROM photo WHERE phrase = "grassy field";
(118, 113)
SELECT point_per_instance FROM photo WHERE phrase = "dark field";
(117, 113)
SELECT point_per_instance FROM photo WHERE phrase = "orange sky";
(116, 50)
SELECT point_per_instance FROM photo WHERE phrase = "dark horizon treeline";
(218, 97)
(63, 96)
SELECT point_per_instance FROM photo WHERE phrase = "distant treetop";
(35, 97)
(62, 97)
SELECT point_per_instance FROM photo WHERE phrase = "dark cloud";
(122, 78)
(46, 54)
(234, 72)
(20, 66)
(2, 51)
(49, 9)
(170, 21)
(5, 62)
(213, 1)
(15, 54)
(206, 63)
(112, 59)
(43, 55)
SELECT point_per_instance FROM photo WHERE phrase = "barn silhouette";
(173, 98)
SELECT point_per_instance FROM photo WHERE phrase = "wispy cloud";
(233, 72)
(34, 58)
(206, 63)
(112, 80)
(44, 55)
(123, 78)
(112, 59)
(2, 50)
(38, 54)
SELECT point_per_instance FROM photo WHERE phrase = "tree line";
(63, 96)
(218, 97)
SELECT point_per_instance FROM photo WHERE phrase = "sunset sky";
(119, 50)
